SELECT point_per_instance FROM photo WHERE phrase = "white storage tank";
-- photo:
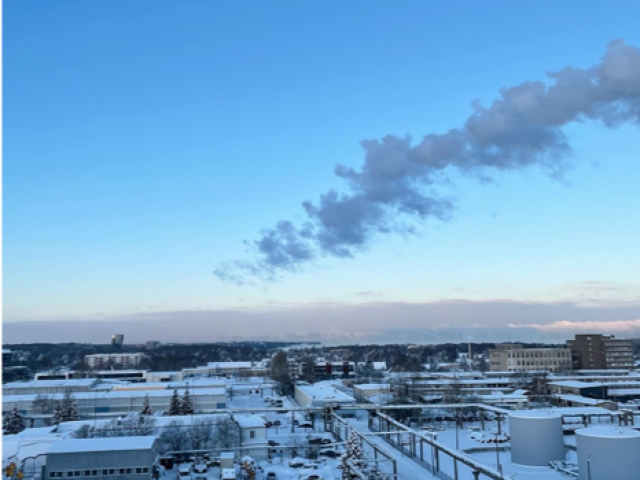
(536, 437)
(608, 453)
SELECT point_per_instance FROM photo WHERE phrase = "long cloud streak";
(396, 182)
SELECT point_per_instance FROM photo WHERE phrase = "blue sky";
(144, 141)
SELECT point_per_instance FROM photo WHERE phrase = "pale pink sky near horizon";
(374, 322)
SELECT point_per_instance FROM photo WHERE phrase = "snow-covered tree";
(146, 406)
(175, 406)
(186, 404)
(13, 422)
(352, 456)
(57, 413)
(174, 437)
(68, 408)
(44, 405)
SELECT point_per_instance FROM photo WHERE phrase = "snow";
(102, 444)
(608, 432)
(77, 382)
(326, 394)
(575, 384)
(249, 421)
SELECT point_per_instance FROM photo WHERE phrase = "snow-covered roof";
(623, 391)
(118, 394)
(373, 386)
(229, 365)
(74, 382)
(102, 444)
(227, 455)
(379, 365)
(249, 421)
(575, 384)
(580, 399)
(326, 394)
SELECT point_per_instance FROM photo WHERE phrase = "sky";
(158, 156)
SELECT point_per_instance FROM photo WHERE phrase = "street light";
(589, 467)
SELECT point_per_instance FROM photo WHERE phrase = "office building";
(117, 340)
(515, 358)
(597, 351)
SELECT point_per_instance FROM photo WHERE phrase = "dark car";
(272, 443)
(271, 476)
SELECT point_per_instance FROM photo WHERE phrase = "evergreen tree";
(13, 422)
(353, 455)
(175, 406)
(57, 413)
(186, 405)
(68, 408)
(146, 406)
(72, 412)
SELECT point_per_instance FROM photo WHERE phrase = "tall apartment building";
(117, 340)
(515, 358)
(6, 357)
(106, 360)
(599, 352)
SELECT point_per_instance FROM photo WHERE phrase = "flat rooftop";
(102, 444)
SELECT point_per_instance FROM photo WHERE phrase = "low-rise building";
(317, 396)
(364, 391)
(253, 436)
(124, 458)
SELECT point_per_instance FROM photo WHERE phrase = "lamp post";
(589, 467)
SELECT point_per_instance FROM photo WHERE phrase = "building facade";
(597, 351)
(117, 340)
(121, 360)
(124, 458)
(515, 358)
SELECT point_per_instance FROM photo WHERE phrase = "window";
(94, 473)
(77, 473)
(105, 472)
(69, 473)
(52, 474)
(112, 471)
(128, 471)
(145, 470)
(252, 434)
(87, 473)
(121, 471)
(138, 469)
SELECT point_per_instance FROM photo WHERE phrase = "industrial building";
(124, 458)
(106, 360)
(317, 396)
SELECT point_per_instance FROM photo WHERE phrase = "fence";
(407, 452)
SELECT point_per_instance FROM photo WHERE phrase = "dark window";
(87, 473)
(105, 472)
(138, 470)
(121, 471)
(52, 474)
(94, 473)
(128, 471)
(145, 470)
(112, 471)
(77, 473)
(69, 474)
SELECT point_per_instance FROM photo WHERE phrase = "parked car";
(329, 453)
(277, 423)
(272, 443)
(200, 468)
(271, 476)
(310, 476)
(305, 424)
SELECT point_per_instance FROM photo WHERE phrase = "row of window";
(103, 472)
(538, 354)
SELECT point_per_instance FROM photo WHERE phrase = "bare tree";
(202, 432)
(44, 405)
(174, 437)
(227, 433)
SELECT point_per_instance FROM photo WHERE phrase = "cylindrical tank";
(608, 453)
(536, 437)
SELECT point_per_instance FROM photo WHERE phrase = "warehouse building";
(121, 458)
